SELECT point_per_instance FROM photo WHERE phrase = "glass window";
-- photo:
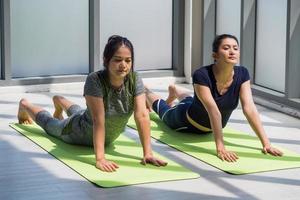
(293, 81)
(0, 57)
(271, 44)
(49, 37)
(147, 24)
(229, 17)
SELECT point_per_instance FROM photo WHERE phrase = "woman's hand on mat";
(271, 150)
(106, 165)
(228, 156)
(154, 161)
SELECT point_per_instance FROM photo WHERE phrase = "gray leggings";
(52, 125)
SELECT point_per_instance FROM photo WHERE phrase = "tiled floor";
(28, 172)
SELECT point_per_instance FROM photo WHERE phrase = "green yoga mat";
(202, 147)
(125, 152)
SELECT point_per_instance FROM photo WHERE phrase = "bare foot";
(58, 113)
(172, 95)
(23, 117)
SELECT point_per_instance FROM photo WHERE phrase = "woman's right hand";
(228, 156)
(106, 165)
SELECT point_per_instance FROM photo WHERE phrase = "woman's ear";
(104, 61)
(214, 55)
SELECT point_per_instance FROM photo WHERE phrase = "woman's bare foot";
(172, 95)
(58, 112)
(58, 115)
(23, 116)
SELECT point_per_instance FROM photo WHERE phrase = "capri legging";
(174, 117)
(52, 125)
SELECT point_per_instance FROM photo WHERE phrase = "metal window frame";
(208, 24)
(178, 38)
(248, 36)
(94, 35)
(5, 41)
(94, 48)
(291, 78)
(6, 78)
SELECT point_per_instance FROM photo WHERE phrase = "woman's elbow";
(248, 110)
(97, 122)
(141, 115)
(215, 113)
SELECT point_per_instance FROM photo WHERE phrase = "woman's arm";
(204, 94)
(141, 116)
(250, 111)
(96, 106)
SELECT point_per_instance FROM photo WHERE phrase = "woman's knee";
(52, 125)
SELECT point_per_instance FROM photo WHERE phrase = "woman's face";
(120, 64)
(228, 52)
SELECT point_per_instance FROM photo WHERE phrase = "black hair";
(114, 42)
(218, 40)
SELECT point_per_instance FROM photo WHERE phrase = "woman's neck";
(223, 72)
(116, 82)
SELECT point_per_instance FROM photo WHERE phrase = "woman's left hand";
(271, 150)
(154, 161)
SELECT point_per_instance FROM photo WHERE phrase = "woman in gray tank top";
(111, 95)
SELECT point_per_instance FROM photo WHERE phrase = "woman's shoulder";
(98, 78)
(241, 69)
(94, 85)
(203, 70)
(242, 72)
(97, 75)
(93, 74)
(203, 75)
